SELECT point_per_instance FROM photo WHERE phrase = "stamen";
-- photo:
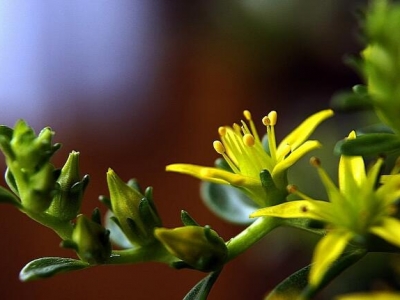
(222, 131)
(273, 116)
(219, 147)
(292, 189)
(236, 128)
(247, 115)
(266, 121)
(315, 162)
(248, 140)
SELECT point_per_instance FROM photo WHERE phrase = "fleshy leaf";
(351, 101)
(50, 266)
(227, 202)
(369, 144)
(201, 290)
(297, 283)
(9, 198)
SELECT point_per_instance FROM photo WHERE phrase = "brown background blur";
(136, 85)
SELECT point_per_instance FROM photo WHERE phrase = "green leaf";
(369, 144)
(228, 202)
(7, 197)
(201, 290)
(356, 100)
(291, 287)
(297, 284)
(50, 266)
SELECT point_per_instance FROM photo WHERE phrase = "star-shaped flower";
(356, 209)
(247, 157)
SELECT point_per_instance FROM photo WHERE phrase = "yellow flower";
(244, 152)
(356, 209)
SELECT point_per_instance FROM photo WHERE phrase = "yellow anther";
(291, 188)
(247, 115)
(314, 161)
(219, 147)
(236, 128)
(266, 121)
(222, 131)
(273, 117)
(248, 140)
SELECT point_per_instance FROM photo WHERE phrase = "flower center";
(242, 149)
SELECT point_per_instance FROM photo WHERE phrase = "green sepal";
(148, 216)
(133, 183)
(50, 266)
(7, 197)
(10, 180)
(96, 216)
(135, 230)
(6, 132)
(68, 244)
(273, 195)
(187, 219)
(106, 201)
(117, 236)
(368, 144)
(201, 290)
(227, 202)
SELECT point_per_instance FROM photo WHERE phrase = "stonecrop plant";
(249, 185)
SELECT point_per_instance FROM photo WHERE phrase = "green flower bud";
(199, 247)
(29, 151)
(135, 214)
(91, 241)
(69, 190)
(40, 189)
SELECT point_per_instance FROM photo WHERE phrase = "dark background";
(137, 85)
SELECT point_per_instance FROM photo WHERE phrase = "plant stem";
(156, 253)
(251, 235)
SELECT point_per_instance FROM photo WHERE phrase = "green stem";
(251, 235)
(63, 229)
(156, 253)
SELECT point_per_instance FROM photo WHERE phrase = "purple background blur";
(136, 85)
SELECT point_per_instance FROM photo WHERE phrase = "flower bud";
(29, 151)
(134, 213)
(40, 188)
(199, 247)
(91, 241)
(69, 190)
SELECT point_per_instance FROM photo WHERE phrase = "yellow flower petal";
(295, 156)
(329, 248)
(304, 130)
(351, 172)
(313, 209)
(389, 230)
(213, 175)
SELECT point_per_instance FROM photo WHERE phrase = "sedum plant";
(248, 185)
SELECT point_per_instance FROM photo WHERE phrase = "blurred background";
(136, 85)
